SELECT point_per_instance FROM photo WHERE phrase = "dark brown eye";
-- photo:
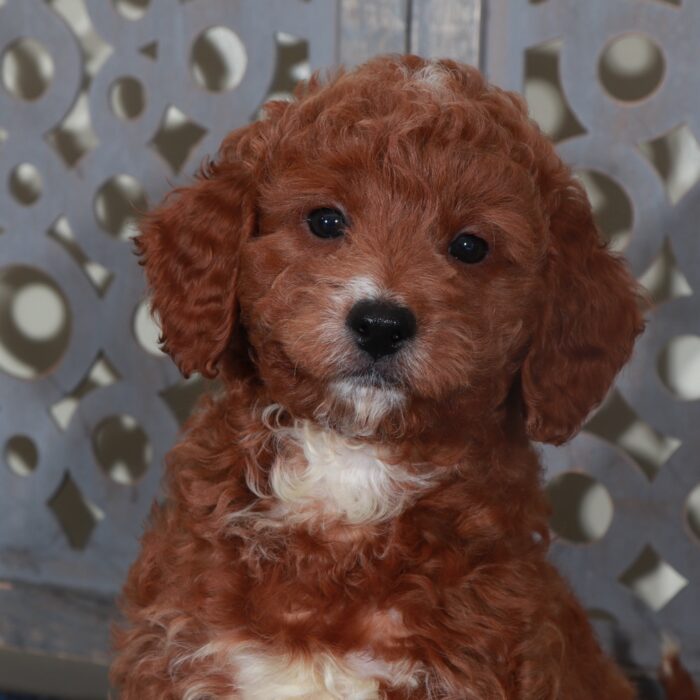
(468, 248)
(326, 223)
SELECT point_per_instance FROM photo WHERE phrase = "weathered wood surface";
(65, 623)
(431, 28)
(369, 28)
(445, 28)
(647, 512)
(55, 598)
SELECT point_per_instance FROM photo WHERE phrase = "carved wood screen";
(105, 105)
(623, 78)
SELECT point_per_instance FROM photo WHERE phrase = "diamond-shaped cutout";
(75, 514)
(99, 276)
(663, 279)
(73, 137)
(653, 580)
(101, 373)
(176, 138)
(676, 158)
(150, 50)
(291, 66)
(617, 422)
(545, 95)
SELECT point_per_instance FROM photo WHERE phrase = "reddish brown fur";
(521, 346)
(675, 679)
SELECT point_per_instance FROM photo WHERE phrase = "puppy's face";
(404, 248)
(378, 280)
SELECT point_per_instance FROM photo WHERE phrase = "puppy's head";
(399, 246)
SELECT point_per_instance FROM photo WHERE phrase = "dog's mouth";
(375, 377)
(365, 399)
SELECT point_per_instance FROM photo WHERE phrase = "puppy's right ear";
(190, 247)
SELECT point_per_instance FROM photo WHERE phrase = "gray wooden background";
(105, 105)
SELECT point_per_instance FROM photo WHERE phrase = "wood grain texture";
(654, 512)
(371, 28)
(61, 622)
(446, 29)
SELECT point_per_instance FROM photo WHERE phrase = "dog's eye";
(326, 223)
(469, 248)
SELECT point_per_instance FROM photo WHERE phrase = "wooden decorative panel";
(105, 105)
(628, 119)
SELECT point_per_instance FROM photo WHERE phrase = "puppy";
(400, 285)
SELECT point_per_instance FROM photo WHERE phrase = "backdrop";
(105, 105)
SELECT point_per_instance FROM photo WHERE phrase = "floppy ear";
(587, 329)
(190, 249)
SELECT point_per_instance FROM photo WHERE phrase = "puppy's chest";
(259, 672)
(340, 491)
(318, 474)
(339, 488)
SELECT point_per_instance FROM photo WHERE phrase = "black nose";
(381, 328)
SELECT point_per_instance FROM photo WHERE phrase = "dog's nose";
(380, 328)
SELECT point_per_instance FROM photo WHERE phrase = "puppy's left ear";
(190, 247)
(588, 326)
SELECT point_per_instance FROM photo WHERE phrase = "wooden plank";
(446, 29)
(47, 676)
(370, 28)
(63, 623)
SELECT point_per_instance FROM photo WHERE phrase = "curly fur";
(327, 538)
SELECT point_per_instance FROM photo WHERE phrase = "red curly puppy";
(401, 286)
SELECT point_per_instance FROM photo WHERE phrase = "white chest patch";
(319, 471)
(260, 675)
(319, 678)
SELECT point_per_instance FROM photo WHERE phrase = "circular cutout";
(692, 511)
(122, 448)
(611, 206)
(631, 67)
(132, 9)
(21, 455)
(679, 366)
(38, 311)
(127, 98)
(546, 105)
(582, 509)
(34, 322)
(27, 69)
(118, 203)
(146, 330)
(25, 184)
(218, 59)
